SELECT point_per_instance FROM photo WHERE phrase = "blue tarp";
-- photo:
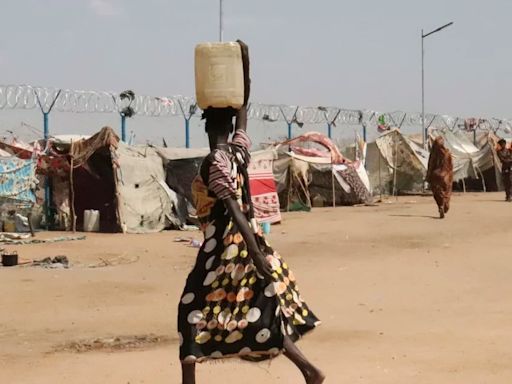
(17, 179)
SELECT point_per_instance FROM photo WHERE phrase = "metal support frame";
(123, 128)
(289, 122)
(331, 122)
(46, 134)
(187, 118)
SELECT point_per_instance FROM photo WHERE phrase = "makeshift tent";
(145, 202)
(263, 186)
(17, 180)
(125, 183)
(470, 162)
(311, 168)
(182, 166)
(396, 164)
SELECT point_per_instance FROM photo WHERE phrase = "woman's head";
(219, 124)
(502, 143)
(439, 141)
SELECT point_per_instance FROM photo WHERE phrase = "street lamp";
(424, 131)
(221, 24)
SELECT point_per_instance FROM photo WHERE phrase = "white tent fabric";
(396, 161)
(468, 160)
(145, 201)
(181, 153)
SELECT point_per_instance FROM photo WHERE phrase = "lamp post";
(221, 24)
(423, 36)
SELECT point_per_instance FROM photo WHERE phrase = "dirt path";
(404, 298)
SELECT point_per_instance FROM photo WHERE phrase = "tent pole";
(123, 128)
(187, 133)
(395, 166)
(333, 187)
(380, 179)
(72, 192)
(483, 180)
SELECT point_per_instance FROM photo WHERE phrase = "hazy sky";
(353, 54)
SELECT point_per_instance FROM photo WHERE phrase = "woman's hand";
(262, 265)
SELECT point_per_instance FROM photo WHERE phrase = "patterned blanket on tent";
(17, 179)
(263, 190)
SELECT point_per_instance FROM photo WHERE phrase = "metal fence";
(80, 101)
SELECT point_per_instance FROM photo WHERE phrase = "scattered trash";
(118, 260)
(182, 240)
(55, 263)
(194, 243)
(186, 227)
(119, 343)
(20, 239)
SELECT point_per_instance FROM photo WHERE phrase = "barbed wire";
(81, 101)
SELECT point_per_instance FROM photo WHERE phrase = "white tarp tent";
(145, 201)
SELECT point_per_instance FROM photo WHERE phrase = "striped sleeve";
(220, 181)
(241, 139)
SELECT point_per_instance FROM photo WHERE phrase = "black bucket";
(9, 259)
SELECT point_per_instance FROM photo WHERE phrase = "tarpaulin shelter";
(125, 183)
(17, 180)
(478, 166)
(263, 186)
(396, 164)
(182, 166)
(311, 168)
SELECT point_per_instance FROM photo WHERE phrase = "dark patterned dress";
(227, 309)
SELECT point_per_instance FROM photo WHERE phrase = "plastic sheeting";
(468, 160)
(263, 187)
(394, 160)
(144, 204)
(17, 179)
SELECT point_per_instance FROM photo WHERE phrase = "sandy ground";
(404, 298)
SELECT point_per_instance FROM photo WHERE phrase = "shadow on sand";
(420, 216)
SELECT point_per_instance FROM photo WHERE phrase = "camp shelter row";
(140, 189)
(397, 164)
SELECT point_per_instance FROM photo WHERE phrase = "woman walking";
(241, 298)
(440, 175)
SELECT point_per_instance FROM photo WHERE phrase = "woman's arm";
(241, 119)
(252, 246)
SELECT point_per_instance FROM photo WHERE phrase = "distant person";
(505, 156)
(440, 175)
(241, 298)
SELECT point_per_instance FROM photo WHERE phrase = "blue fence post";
(289, 130)
(123, 128)
(329, 130)
(46, 129)
(364, 132)
(47, 188)
(187, 132)
(46, 133)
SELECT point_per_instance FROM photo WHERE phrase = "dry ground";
(404, 298)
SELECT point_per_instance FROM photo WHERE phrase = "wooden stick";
(380, 179)
(30, 226)
(333, 187)
(72, 192)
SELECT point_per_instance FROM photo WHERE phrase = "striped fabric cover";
(263, 190)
